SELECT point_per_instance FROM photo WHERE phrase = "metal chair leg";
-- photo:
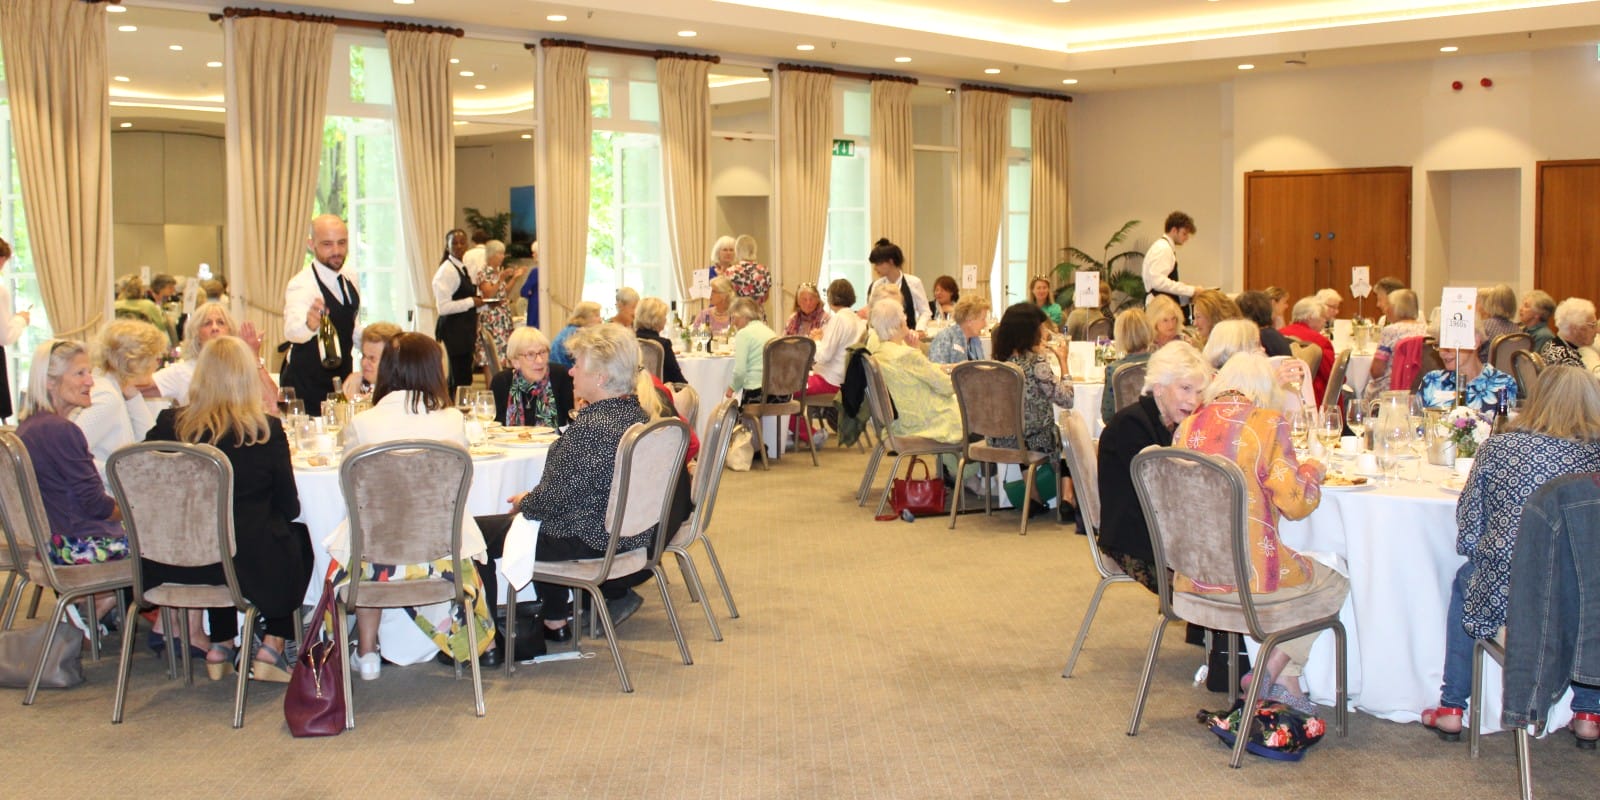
(244, 666)
(1524, 763)
(888, 485)
(603, 614)
(955, 504)
(672, 614)
(130, 630)
(1027, 495)
(691, 579)
(870, 473)
(44, 652)
(1083, 628)
(1252, 695)
(1149, 670)
(722, 580)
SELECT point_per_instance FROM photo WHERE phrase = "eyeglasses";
(535, 354)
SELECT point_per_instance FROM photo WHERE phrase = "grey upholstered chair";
(1127, 383)
(1336, 377)
(1307, 352)
(418, 525)
(785, 367)
(881, 407)
(1525, 367)
(1501, 348)
(707, 479)
(1084, 462)
(1430, 361)
(492, 357)
(177, 507)
(642, 484)
(686, 399)
(1195, 505)
(651, 357)
(1097, 330)
(990, 395)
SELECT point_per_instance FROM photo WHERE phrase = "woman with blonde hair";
(1210, 307)
(647, 324)
(127, 354)
(1133, 336)
(1166, 320)
(273, 560)
(961, 341)
(585, 314)
(1496, 306)
(1042, 295)
(715, 315)
(208, 322)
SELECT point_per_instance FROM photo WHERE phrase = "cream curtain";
(685, 136)
(564, 232)
(983, 177)
(805, 147)
(893, 190)
(420, 64)
(56, 77)
(1048, 234)
(277, 97)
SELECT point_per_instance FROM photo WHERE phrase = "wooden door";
(1369, 223)
(1281, 210)
(1567, 229)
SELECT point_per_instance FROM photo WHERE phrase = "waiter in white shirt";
(323, 288)
(1161, 261)
(455, 293)
(888, 260)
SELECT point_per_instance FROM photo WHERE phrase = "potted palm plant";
(1127, 286)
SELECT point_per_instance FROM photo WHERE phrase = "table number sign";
(969, 276)
(1361, 281)
(1458, 318)
(191, 295)
(701, 289)
(1086, 294)
(144, 276)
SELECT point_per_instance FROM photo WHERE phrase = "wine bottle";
(328, 343)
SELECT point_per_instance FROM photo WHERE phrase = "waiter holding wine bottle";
(319, 316)
(455, 292)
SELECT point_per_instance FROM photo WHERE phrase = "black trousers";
(552, 597)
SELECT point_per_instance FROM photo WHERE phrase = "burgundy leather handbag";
(920, 496)
(314, 704)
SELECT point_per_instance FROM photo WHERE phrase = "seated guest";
(1238, 421)
(1166, 321)
(1233, 336)
(1575, 327)
(1331, 301)
(133, 302)
(531, 391)
(1041, 295)
(1019, 340)
(1487, 387)
(924, 400)
(412, 401)
(627, 306)
(808, 316)
(1280, 305)
(1557, 434)
(945, 297)
(841, 330)
(1534, 316)
(1496, 306)
(208, 322)
(962, 341)
(749, 349)
(128, 352)
(1257, 307)
(1078, 321)
(1380, 294)
(1132, 335)
(714, 316)
(647, 324)
(1307, 326)
(584, 314)
(1403, 324)
(1210, 307)
(273, 559)
(375, 338)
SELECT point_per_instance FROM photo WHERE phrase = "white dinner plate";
(543, 441)
(537, 429)
(480, 452)
(1358, 488)
(305, 466)
(1453, 484)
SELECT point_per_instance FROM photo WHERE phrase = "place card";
(1458, 318)
(969, 276)
(1361, 281)
(701, 288)
(1086, 292)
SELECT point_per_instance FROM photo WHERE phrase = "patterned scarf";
(530, 403)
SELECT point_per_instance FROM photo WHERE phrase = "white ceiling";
(1104, 45)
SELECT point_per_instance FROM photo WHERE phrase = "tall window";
(19, 276)
(1009, 281)
(627, 201)
(850, 237)
(359, 178)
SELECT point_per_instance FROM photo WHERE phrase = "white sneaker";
(369, 665)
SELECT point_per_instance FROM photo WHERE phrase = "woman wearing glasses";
(531, 391)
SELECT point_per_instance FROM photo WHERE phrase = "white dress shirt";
(842, 330)
(1159, 262)
(445, 282)
(173, 380)
(111, 420)
(302, 291)
(919, 297)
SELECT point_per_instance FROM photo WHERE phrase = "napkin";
(516, 559)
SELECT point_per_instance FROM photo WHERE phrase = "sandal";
(217, 670)
(1277, 693)
(272, 669)
(1586, 729)
(1445, 721)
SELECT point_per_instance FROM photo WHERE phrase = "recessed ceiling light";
(805, 48)
(1069, 81)
(115, 9)
(1247, 66)
(214, 64)
(992, 71)
(479, 86)
(120, 78)
(176, 48)
(459, 122)
(556, 18)
(688, 34)
(527, 136)
(125, 125)
(127, 28)
(1060, 1)
(467, 73)
(404, 2)
(902, 59)
(1449, 49)
(455, 61)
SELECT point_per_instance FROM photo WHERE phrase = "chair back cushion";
(176, 501)
(879, 403)
(405, 500)
(989, 394)
(1127, 383)
(708, 476)
(649, 458)
(1406, 362)
(1097, 330)
(1083, 460)
(786, 364)
(491, 351)
(1307, 352)
(651, 356)
(1504, 345)
(1525, 367)
(1341, 368)
(1195, 507)
(686, 399)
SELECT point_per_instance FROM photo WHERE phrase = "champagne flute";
(1298, 431)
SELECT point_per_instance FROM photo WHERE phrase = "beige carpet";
(872, 660)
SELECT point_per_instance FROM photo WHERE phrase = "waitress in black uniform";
(314, 369)
(10, 330)
(455, 291)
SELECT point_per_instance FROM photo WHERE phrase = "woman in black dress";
(11, 329)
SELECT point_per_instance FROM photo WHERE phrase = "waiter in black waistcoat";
(455, 293)
(323, 288)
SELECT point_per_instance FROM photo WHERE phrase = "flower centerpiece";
(1468, 429)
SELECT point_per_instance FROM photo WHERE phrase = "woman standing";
(11, 328)
(499, 286)
(129, 352)
(273, 559)
(455, 294)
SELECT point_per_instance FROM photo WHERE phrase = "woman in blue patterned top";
(1486, 387)
(1559, 434)
(960, 342)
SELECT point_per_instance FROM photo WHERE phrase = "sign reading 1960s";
(844, 147)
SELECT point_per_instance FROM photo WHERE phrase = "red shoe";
(1586, 729)
(1445, 721)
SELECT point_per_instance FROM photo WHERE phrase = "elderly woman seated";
(715, 317)
(1132, 333)
(924, 399)
(208, 322)
(627, 307)
(128, 353)
(531, 391)
(1234, 336)
(1403, 324)
(749, 349)
(1239, 421)
(1575, 327)
(1486, 387)
(808, 316)
(584, 315)
(647, 324)
(375, 338)
(1306, 325)
(962, 341)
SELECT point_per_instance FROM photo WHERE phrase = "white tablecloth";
(710, 377)
(1397, 545)
(1357, 371)
(322, 505)
(1086, 404)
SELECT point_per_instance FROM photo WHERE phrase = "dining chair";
(1097, 330)
(1336, 378)
(419, 525)
(15, 564)
(686, 399)
(1503, 346)
(651, 357)
(1307, 352)
(1196, 508)
(22, 513)
(881, 407)
(1084, 463)
(1496, 649)
(1431, 361)
(1127, 383)
(707, 480)
(785, 366)
(491, 356)
(649, 459)
(177, 507)
(990, 396)
(1525, 368)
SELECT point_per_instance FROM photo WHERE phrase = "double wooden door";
(1304, 230)
(1568, 229)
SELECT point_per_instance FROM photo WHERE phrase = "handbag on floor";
(1276, 731)
(741, 450)
(920, 496)
(19, 654)
(314, 704)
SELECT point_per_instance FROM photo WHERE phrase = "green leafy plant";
(497, 226)
(1127, 287)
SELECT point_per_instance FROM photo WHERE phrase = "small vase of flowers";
(1469, 428)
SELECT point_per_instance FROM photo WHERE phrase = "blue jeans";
(1457, 688)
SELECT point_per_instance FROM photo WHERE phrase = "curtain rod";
(347, 22)
(623, 51)
(1027, 94)
(847, 74)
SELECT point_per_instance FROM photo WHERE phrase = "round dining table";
(710, 376)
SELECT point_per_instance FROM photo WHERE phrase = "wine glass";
(285, 397)
(1419, 441)
(464, 396)
(293, 408)
(1355, 418)
(483, 407)
(1299, 429)
(1331, 430)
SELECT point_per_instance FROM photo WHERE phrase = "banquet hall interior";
(869, 658)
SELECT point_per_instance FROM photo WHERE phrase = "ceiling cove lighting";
(1247, 66)
(805, 48)
(556, 18)
(1449, 48)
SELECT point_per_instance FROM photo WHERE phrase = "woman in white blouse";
(208, 322)
(126, 356)
(11, 328)
(842, 330)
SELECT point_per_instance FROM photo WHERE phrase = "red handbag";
(920, 496)
(314, 704)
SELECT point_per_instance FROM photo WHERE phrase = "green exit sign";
(844, 147)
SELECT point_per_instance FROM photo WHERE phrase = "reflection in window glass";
(600, 98)
(19, 272)
(370, 85)
(849, 239)
(359, 181)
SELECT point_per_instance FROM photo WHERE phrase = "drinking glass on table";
(1396, 440)
(293, 409)
(1330, 430)
(1299, 431)
(285, 397)
(1418, 426)
(464, 395)
(483, 409)
(1355, 418)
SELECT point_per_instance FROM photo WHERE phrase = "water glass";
(285, 397)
